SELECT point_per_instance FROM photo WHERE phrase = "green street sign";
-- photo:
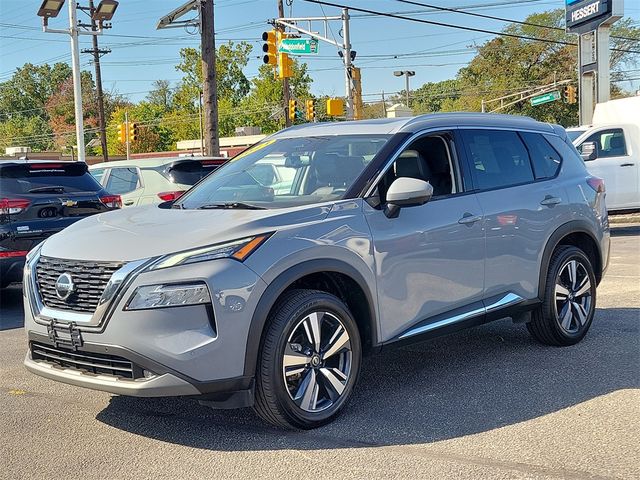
(545, 98)
(298, 46)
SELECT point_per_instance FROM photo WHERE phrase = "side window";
(122, 180)
(609, 143)
(546, 161)
(498, 158)
(97, 173)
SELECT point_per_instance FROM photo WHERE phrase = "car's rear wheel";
(309, 360)
(569, 299)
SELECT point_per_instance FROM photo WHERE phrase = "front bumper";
(186, 350)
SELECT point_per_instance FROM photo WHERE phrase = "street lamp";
(50, 8)
(105, 10)
(407, 74)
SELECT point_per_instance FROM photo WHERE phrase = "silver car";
(384, 232)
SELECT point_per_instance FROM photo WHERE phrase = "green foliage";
(20, 131)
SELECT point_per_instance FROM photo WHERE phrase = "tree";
(161, 95)
(25, 131)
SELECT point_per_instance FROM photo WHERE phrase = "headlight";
(159, 296)
(238, 250)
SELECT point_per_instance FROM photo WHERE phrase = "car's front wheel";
(569, 299)
(309, 360)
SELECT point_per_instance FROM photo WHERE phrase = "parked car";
(391, 231)
(39, 198)
(153, 180)
(611, 150)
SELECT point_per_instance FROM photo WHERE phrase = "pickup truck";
(610, 149)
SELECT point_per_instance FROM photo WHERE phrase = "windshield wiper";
(51, 188)
(239, 205)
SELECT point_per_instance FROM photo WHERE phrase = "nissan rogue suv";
(389, 231)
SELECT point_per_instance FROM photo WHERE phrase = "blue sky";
(142, 54)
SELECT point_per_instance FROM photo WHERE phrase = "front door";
(430, 259)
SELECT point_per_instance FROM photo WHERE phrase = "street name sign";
(298, 46)
(545, 98)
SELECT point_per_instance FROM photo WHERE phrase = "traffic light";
(309, 110)
(122, 132)
(133, 132)
(335, 107)
(293, 107)
(270, 48)
(570, 94)
(286, 66)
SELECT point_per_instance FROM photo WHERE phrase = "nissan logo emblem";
(64, 286)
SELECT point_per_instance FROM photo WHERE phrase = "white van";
(611, 151)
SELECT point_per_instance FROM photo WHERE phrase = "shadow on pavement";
(11, 313)
(624, 231)
(466, 383)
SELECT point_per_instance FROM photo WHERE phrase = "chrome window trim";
(393, 158)
(111, 294)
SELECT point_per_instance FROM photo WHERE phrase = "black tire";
(549, 323)
(274, 400)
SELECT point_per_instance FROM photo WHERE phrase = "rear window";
(45, 177)
(191, 172)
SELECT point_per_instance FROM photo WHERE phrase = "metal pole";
(483, 108)
(77, 87)
(406, 83)
(200, 118)
(96, 62)
(384, 105)
(286, 93)
(126, 126)
(603, 56)
(346, 51)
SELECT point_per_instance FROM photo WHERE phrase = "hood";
(143, 232)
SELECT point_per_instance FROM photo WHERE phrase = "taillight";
(12, 206)
(597, 184)
(170, 196)
(45, 166)
(13, 253)
(112, 201)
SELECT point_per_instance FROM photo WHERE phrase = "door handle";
(128, 202)
(550, 201)
(627, 164)
(469, 218)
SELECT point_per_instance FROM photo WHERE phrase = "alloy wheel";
(317, 361)
(573, 296)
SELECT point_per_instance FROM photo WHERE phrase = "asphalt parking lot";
(486, 403)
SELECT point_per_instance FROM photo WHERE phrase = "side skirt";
(477, 313)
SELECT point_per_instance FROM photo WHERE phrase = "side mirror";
(166, 205)
(406, 192)
(588, 151)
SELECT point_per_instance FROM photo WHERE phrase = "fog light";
(175, 295)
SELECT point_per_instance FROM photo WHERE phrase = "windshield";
(287, 172)
(573, 134)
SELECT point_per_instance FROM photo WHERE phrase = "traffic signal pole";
(77, 89)
(346, 54)
(286, 93)
(126, 126)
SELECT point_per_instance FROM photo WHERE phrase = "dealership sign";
(587, 15)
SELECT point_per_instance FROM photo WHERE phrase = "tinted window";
(609, 143)
(190, 172)
(97, 173)
(498, 158)
(546, 161)
(122, 180)
(25, 178)
(573, 134)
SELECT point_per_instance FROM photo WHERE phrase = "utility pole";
(96, 62)
(209, 91)
(347, 63)
(286, 94)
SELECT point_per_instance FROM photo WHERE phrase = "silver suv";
(379, 233)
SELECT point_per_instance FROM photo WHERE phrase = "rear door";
(513, 175)
(126, 182)
(616, 165)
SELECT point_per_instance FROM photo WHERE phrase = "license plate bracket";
(64, 334)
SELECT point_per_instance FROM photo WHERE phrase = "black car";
(38, 199)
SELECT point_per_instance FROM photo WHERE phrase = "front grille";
(96, 363)
(89, 279)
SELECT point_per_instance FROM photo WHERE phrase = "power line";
(501, 19)
(451, 25)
